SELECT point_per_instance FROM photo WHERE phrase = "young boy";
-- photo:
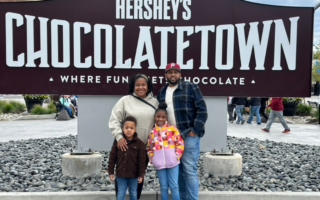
(131, 164)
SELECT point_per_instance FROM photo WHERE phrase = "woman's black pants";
(140, 185)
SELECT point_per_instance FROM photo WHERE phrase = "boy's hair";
(162, 106)
(130, 119)
(133, 79)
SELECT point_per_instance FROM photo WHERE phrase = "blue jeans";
(239, 109)
(255, 109)
(122, 187)
(168, 178)
(68, 109)
(188, 176)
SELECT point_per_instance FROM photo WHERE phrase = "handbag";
(144, 101)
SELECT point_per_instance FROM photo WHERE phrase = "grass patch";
(8, 108)
(315, 113)
(18, 107)
(52, 107)
(303, 109)
(38, 110)
(12, 107)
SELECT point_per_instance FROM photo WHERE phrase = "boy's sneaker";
(286, 131)
(243, 122)
(259, 123)
(248, 122)
(265, 130)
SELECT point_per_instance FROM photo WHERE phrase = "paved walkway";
(17, 130)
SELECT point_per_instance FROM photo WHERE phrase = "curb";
(156, 196)
(35, 117)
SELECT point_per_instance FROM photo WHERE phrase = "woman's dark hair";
(133, 79)
(162, 107)
(130, 119)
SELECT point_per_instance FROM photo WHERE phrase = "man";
(276, 111)
(231, 107)
(188, 112)
(240, 103)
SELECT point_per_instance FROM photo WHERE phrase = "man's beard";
(173, 83)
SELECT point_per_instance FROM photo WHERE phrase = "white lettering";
(181, 45)
(204, 44)
(43, 52)
(187, 14)
(120, 9)
(157, 9)
(119, 49)
(64, 79)
(230, 47)
(164, 43)
(54, 43)
(253, 42)
(97, 46)
(77, 45)
(144, 40)
(9, 40)
(289, 48)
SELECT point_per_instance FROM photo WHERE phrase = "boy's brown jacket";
(130, 163)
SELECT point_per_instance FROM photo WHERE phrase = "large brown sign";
(91, 47)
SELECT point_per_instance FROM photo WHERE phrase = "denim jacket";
(189, 108)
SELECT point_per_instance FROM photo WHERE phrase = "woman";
(140, 104)
(65, 101)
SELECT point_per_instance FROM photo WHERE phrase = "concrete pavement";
(32, 129)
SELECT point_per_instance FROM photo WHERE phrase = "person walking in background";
(263, 107)
(255, 104)
(240, 103)
(187, 111)
(165, 147)
(231, 108)
(276, 111)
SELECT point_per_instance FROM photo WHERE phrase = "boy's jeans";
(255, 109)
(239, 109)
(188, 176)
(122, 187)
(169, 177)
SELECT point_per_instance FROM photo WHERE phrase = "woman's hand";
(122, 144)
(111, 177)
(140, 179)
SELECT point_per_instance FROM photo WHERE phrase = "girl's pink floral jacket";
(165, 147)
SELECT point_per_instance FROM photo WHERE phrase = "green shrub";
(19, 107)
(38, 110)
(52, 107)
(315, 113)
(303, 109)
(2, 104)
(8, 108)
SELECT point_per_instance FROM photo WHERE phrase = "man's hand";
(192, 134)
(122, 144)
(140, 179)
(111, 177)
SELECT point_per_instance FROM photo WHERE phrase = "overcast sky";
(306, 3)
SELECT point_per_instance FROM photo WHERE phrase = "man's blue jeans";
(168, 178)
(122, 187)
(255, 109)
(239, 109)
(188, 176)
(68, 109)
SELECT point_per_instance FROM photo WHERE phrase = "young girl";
(165, 147)
(131, 164)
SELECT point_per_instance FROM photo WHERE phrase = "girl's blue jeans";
(123, 183)
(168, 178)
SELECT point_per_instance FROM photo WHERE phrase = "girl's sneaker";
(286, 131)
